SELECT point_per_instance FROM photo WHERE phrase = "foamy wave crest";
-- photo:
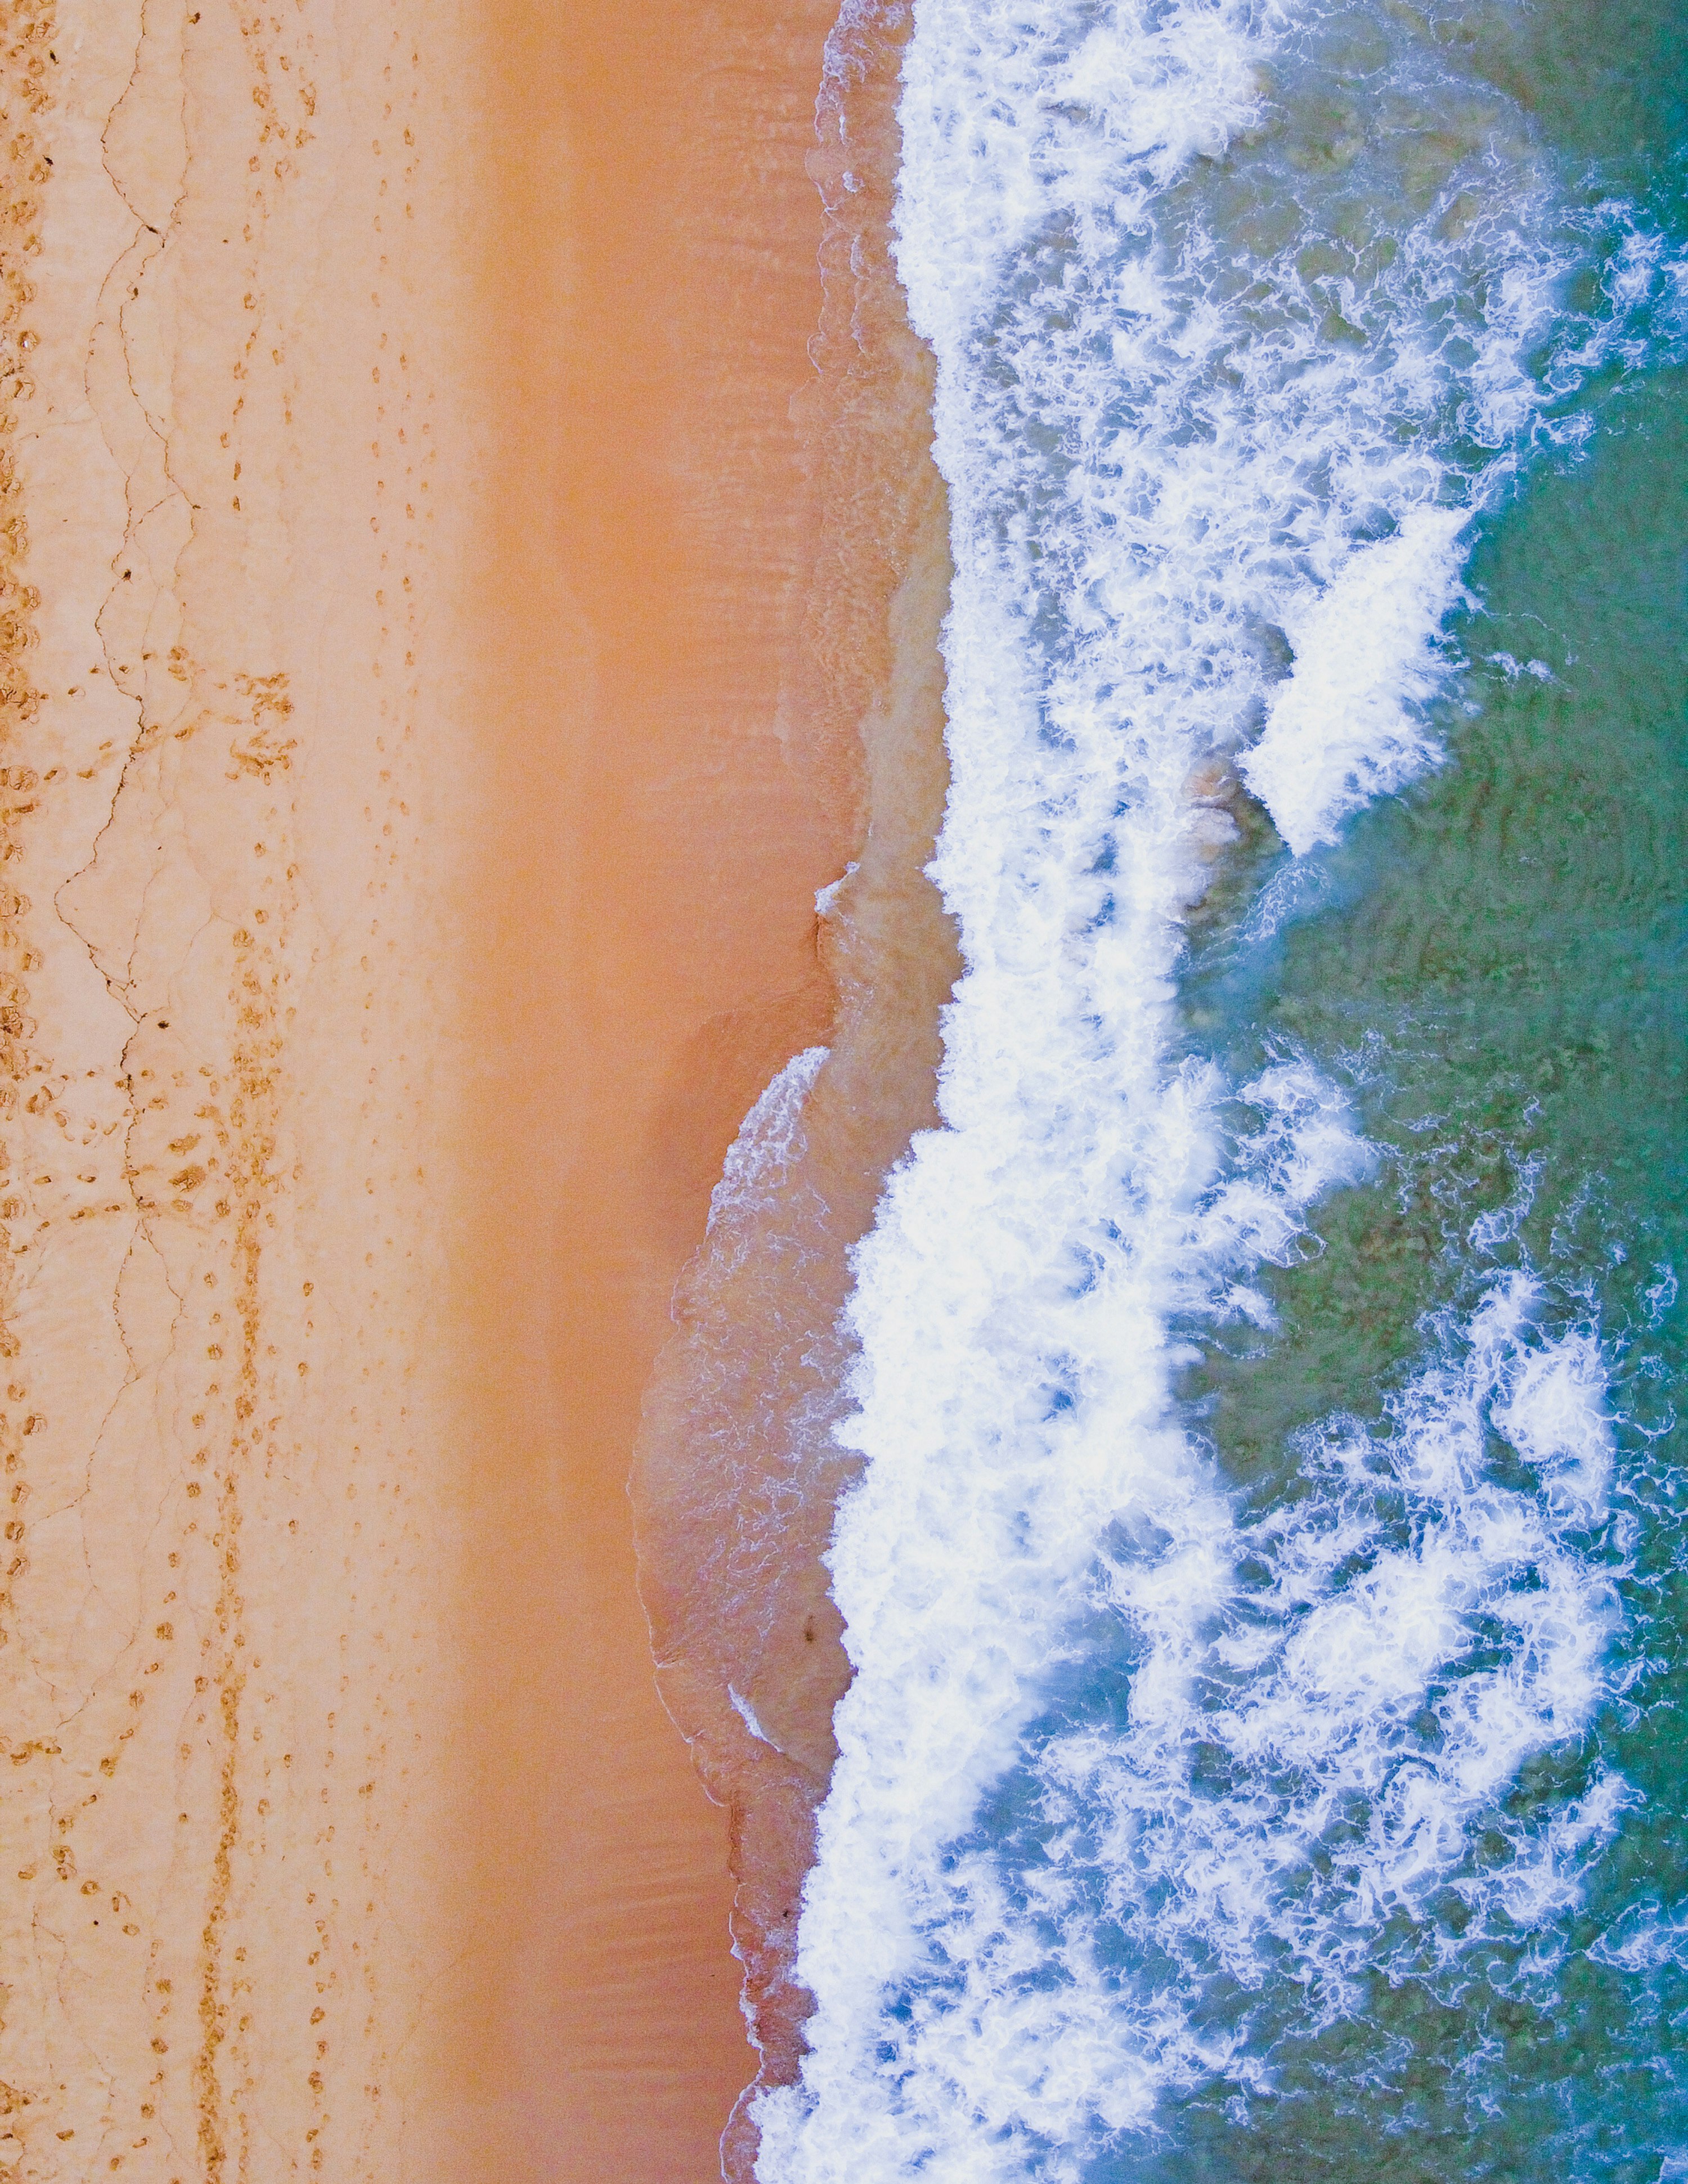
(1328, 1705)
(1043, 1354)
(1349, 723)
(1239, 342)
(1314, 1744)
(1242, 312)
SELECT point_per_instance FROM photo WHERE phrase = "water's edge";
(736, 1475)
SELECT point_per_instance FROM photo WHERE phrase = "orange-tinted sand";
(648, 961)
(409, 865)
(738, 1475)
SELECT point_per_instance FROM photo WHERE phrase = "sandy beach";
(410, 877)
(657, 843)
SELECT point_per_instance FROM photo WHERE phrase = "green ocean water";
(1268, 1581)
(1495, 964)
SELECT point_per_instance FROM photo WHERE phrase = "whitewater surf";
(1258, 1568)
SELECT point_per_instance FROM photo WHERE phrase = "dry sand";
(407, 888)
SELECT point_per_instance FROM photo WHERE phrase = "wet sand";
(738, 1475)
(409, 876)
(650, 960)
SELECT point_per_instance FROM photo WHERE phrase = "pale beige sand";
(406, 890)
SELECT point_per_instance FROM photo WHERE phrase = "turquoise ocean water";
(1267, 1585)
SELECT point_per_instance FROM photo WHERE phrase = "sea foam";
(1236, 336)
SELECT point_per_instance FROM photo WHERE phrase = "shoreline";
(738, 1476)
